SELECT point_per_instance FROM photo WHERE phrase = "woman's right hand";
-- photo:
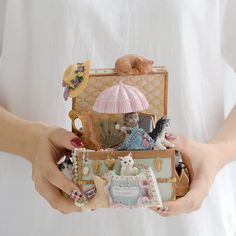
(49, 181)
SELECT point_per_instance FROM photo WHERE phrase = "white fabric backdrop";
(42, 37)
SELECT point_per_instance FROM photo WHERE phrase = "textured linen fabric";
(41, 38)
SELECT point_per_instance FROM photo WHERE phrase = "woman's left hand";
(204, 161)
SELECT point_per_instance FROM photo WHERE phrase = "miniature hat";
(120, 98)
(76, 79)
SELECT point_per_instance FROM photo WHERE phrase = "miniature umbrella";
(120, 98)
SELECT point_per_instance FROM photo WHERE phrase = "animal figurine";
(132, 65)
(130, 121)
(66, 167)
(127, 168)
(158, 134)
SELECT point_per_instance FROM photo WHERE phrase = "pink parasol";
(120, 98)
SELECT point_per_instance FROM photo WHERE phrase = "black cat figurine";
(158, 134)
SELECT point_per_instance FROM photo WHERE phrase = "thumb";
(181, 143)
(65, 139)
(185, 146)
(191, 201)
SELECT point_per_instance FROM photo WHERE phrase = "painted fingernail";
(171, 136)
(165, 209)
(76, 142)
(75, 194)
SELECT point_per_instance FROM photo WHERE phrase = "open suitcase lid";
(154, 86)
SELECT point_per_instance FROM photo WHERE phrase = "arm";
(226, 138)
(42, 146)
(19, 136)
(206, 160)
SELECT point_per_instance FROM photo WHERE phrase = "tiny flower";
(63, 83)
(66, 92)
(80, 68)
(77, 81)
(80, 74)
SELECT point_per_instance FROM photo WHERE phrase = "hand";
(203, 161)
(49, 181)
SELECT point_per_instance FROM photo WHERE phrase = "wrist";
(32, 134)
(223, 150)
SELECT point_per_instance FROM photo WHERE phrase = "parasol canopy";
(120, 98)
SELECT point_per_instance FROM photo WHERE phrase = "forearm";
(19, 136)
(226, 138)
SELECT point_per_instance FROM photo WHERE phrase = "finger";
(185, 146)
(190, 202)
(55, 199)
(181, 143)
(58, 179)
(66, 139)
(163, 211)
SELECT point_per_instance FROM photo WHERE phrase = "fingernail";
(76, 195)
(165, 209)
(171, 136)
(76, 142)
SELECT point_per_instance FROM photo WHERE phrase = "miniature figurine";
(66, 166)
(133, 64)
(127, 168)
(130, 121)
(159, 132)
(75, 79)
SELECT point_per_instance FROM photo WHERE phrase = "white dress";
(42, 37)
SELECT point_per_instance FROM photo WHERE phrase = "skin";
(204, 161)
(43, 146)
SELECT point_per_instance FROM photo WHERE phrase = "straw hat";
(76, 79)
(120, 98)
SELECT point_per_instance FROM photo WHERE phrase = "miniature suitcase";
(98, 133)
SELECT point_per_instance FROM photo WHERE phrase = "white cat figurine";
(127, 168)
